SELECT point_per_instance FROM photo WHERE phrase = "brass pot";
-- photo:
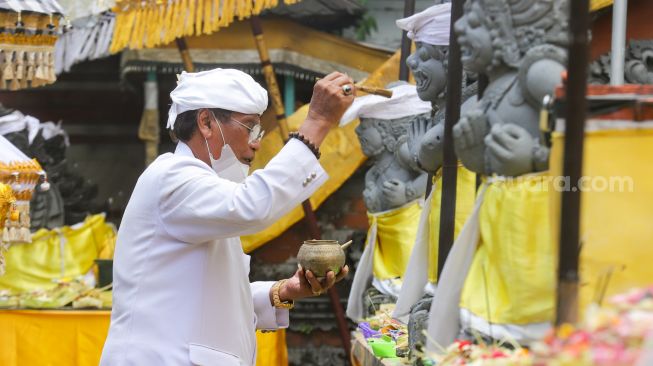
(321, 256)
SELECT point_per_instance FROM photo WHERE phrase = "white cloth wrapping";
(10, 153)
(404, 102)
(50, 130)
(16, 121)
(416, 277)
(228, 89)
(75, 9)
(181, 292)
(430, 26)
(444, 316)
(12, 122)
(362, 276)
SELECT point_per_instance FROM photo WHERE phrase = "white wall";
(386, 12)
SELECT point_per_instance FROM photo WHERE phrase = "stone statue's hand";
(470, 131)
(371, 198)
(404, 155)
(510, 150)
(431, 151)
(394, 191)
(416, 131)
(468, 137)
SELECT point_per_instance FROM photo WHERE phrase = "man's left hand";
(306, 284)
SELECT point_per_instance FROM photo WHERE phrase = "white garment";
(430, 26)
(444, 315)
(416, 276)
(362, 276)
(524, 334)
(181, 290)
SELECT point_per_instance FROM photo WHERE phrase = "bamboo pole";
(309, 215)
(450, 161)
(185, 54)
(409, 9)
(576, 90)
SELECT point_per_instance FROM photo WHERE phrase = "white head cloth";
(228, 89)
(430, 26)
(404, 102)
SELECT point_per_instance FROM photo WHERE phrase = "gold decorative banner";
(151, 23)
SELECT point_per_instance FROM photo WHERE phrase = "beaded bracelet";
(308, 144)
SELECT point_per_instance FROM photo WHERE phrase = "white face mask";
(227, 166)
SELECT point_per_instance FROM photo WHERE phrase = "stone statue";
(423, 144)
(392, 192)
(518, 44)
(423, 148)
(389, 182)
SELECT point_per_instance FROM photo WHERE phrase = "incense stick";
(371, 90)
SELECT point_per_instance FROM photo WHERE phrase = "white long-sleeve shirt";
(181, 292)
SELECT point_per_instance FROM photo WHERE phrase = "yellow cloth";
(395, 236)
(515, 257)
(599, 4)
(341, 156)
(465, 197)
(60, 338)
(34, 266)
(616, 224)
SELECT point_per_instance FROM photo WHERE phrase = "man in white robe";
(181, 290)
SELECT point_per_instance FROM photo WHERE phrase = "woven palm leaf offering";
(21, 175)
(28, 33)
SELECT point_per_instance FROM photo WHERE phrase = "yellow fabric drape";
(465, 197)
(341, 156)
(61, 338)
(56, 254)
(396, 231)
(512, 276)
(616, 209)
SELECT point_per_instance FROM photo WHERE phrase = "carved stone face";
(370, 138)
(427, 66)
(474, 38)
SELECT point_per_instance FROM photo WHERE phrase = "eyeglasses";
(255, 133)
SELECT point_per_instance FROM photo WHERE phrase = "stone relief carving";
(638, 66)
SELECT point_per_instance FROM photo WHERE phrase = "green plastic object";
(382, 347)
